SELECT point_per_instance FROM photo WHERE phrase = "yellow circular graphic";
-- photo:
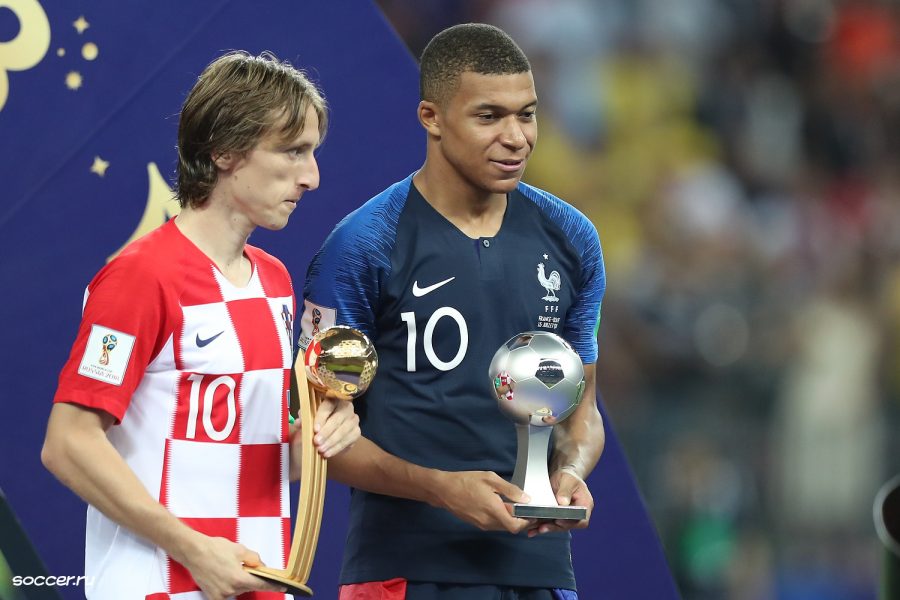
(61, 52)
(90, 51)
(73, 80)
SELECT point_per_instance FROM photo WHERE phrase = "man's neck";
(475, 212)
(220, 237)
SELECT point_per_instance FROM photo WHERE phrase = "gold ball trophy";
(341, 359)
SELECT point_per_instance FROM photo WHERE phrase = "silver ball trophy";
(538, 380)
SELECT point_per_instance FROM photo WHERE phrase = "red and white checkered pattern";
(202, 406)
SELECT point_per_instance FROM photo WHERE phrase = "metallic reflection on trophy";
(343, 360)
(538, 380)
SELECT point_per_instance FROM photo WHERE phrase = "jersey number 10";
(217, 435)
(445, 311)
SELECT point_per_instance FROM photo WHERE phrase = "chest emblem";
(288, 320)
(550, 282)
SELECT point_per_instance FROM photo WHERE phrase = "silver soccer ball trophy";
(538, 381)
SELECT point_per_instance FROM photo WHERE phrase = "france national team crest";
(106, 355)
(551, 281)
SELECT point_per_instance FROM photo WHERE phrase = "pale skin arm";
(577, 445)
(473, 496)
(336, 430)
(77, 451)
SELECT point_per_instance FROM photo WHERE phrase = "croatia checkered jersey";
(195, 371)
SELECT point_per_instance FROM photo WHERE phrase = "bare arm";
(579, 440)
(577, 445)
(77, 451)
(336, 428)
(473, 496)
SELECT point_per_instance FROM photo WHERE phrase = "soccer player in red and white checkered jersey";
(170, 417)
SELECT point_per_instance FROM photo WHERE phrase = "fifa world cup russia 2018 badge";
(109, 343)
(316, 319)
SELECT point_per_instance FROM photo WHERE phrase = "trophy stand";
(312, 496)
(532, 476)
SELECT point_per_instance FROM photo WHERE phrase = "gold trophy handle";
(344, 360)
(312, 495)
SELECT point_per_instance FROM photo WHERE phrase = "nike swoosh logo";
(201, 343)
(419, 292)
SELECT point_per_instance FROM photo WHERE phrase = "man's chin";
(275, 226)
(505, 186)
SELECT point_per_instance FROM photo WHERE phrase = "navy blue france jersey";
(437, 305)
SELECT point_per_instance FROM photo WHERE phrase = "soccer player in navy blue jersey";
(440, 269)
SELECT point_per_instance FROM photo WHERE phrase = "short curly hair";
(475, 47)
(237, 100)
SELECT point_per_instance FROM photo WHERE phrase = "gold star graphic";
(99, 167)
(81, 24)
(73, 80)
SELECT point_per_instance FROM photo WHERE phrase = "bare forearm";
(77, 451)
(366, 466)
(473, 496)
(85, 461)
(579, 440)
(578, 443)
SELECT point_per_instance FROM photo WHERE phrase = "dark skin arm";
(473, 496)
(578, 444)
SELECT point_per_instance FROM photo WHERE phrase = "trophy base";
(535, 511)
(281, 578)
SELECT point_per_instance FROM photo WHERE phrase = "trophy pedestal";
(282, 578)
(553, 513)
(532, 476)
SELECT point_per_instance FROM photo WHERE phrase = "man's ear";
(224, 160)
(429, 116)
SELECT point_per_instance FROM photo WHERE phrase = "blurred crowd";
(741, 161)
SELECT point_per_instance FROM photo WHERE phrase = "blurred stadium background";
(740, 160)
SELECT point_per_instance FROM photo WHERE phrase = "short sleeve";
(583, 317)
(123, 327)
(344, 279)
